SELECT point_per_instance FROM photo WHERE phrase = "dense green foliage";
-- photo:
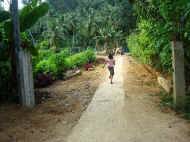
(151, 45)
(159, 22)
(56, 64)
(59, 40)
(79, 24)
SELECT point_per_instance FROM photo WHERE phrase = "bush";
(151, 45)
(60, 62)
(42, 55)
(43, 45)
(90, 55)
(57, 63)
(46, 67)
(80, 59)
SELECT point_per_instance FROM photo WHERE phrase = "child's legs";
(111, 69)
(111, 79)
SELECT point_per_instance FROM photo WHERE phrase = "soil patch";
(59, 105)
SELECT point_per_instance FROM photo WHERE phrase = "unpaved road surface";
(61, 105)
(126, 112)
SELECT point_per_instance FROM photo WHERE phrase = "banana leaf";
(28, 17)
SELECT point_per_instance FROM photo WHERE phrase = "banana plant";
(28, 16)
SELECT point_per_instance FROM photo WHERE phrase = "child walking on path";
(110, 64)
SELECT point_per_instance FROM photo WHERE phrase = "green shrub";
(165, 58)
(151, 45)
(42, 55)
(43, 45)
(60, 62)
(79, 59)
(45, 54)
(57, 63)
(46, 67)
(69, 63)
(90, 55)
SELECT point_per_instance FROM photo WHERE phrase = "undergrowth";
(166, 101)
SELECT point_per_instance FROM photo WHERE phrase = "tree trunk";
(23, 62)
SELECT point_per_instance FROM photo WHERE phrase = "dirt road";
(125, 112)
(60, 106)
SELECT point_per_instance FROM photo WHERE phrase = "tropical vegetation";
(62, 35)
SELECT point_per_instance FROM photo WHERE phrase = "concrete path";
(112, 117)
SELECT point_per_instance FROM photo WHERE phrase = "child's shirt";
(110, 62)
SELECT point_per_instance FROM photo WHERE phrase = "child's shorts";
(111, 70)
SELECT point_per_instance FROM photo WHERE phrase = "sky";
(6, 4)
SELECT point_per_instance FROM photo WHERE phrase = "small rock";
(32, 131)
(42, 130)
(64, 122)
(58, 120)
(165, 84)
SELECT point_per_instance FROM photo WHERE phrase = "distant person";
(110, 64)
(118, 51)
